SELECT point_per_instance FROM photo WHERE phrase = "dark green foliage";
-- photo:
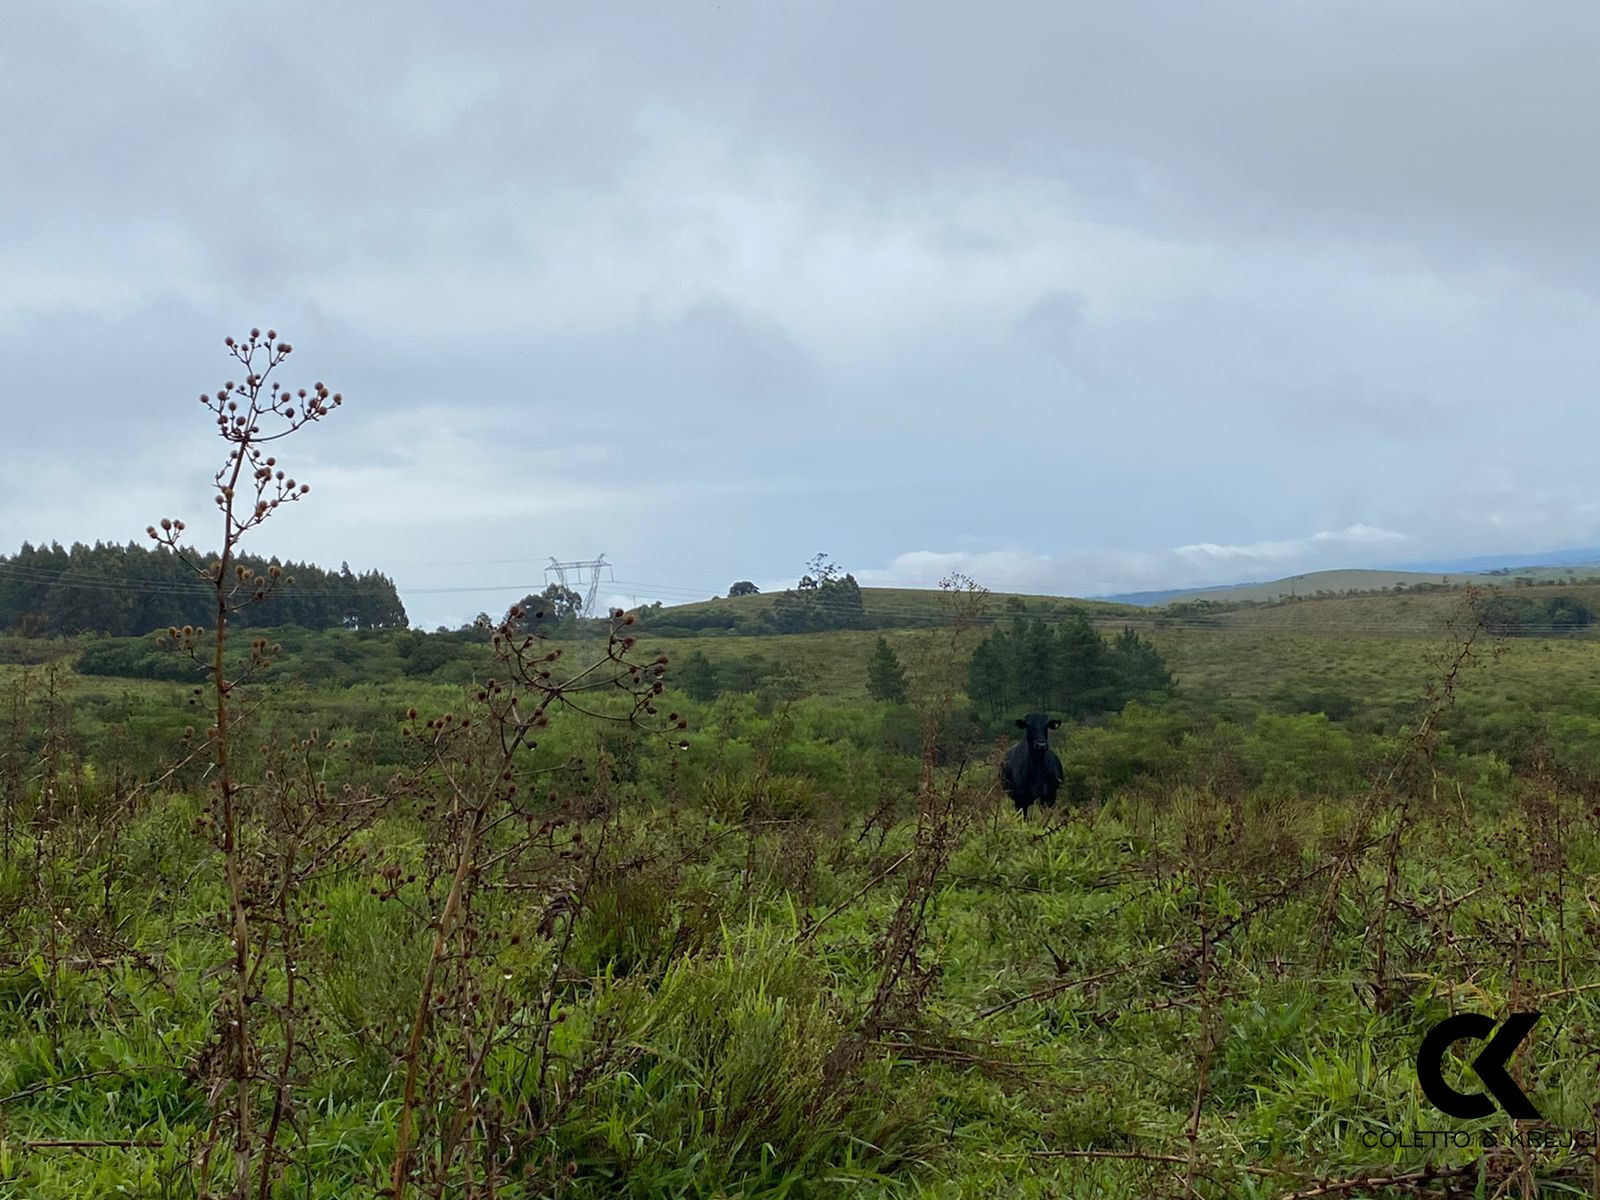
(1192, 612)
(744, 588)
(1138, 665)
(1336, 706)
(1521, 616)
(778, 685)
(554, 612)
(1065, 668)
(340, 657)
(823, 599)
(670, 622)
(136, 658)
(697, 677)
(130, 590)
(745, 673)
(426, 653)
(886, 678)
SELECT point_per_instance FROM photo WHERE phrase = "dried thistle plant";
(490, 832)
(251, 413)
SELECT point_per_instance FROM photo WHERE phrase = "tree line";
(826, 598)
(125, 591)
(1524, 616)
(1065, 668)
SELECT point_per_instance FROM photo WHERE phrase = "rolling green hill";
(1317, 583)
(910, 606)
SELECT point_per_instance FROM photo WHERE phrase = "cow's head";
(1038, 727)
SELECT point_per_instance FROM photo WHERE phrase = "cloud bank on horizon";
(1198, 565)
(1071, 298)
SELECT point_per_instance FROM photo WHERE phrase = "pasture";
(803, 946)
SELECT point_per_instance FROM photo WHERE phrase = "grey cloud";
(716, 284)
(1442, 129)
(1053, 321)
(1349, 402)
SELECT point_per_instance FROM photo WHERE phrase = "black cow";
(1031, 772)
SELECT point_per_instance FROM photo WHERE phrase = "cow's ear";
(1055, 723)
(1022, 723)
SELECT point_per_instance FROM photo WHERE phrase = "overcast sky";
(1074, 297)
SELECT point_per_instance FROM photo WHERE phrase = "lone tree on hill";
(554, 610)
(886, 678)
(744, 588)
(825, 598)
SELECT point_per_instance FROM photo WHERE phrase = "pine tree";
(986, 677)
(1139, 664)
(1070, 670)
(697, 678)
(1085, 680)
(886, 678)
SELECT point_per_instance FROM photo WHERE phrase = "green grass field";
(809, 951)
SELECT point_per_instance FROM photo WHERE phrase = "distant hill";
(889, 607)
(1310, 584)
(1489, 569)
(1517, 564)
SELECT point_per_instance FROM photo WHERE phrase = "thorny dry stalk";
(1203, 1056)
(904, 978)
(278, 835)
(1417, 752)
(249, 415)
(12, 760)
(471, 779)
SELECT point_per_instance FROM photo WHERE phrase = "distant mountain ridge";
(1480, 563)
(1536, 565)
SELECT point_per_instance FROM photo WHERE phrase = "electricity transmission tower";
(594, 566)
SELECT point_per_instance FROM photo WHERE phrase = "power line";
(594, 566)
